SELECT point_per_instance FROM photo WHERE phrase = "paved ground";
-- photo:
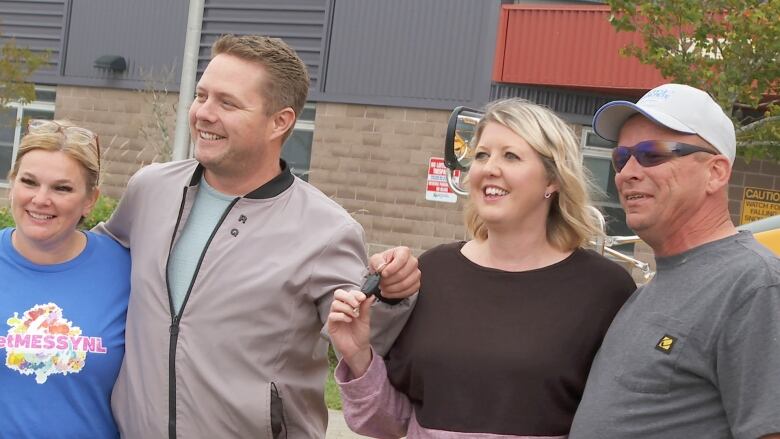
(337, 428)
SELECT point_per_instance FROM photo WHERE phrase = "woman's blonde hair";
(86, 154)
(570, 222)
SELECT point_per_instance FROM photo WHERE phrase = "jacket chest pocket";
(650, 361)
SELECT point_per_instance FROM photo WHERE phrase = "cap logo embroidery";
(657, 94)
(666, 343)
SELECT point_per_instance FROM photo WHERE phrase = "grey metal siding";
(149, 34)
(300, 23)
(415, 53)
(37, 25)
(576, 107)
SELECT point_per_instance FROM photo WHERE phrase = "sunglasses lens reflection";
(652, 153)
(43, 126)
(620, 156)
(76, 134)
(80, 135)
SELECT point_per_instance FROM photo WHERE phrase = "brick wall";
(373, 161)
(125, 123)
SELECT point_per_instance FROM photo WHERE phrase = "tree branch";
(757, 124)
(758, 144)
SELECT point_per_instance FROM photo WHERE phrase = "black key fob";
(370, 286)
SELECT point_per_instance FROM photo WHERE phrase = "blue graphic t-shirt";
(62, 331)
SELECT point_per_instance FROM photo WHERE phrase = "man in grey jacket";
(695, 352)
(234, 265)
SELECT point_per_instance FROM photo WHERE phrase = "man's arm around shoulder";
(119, 224)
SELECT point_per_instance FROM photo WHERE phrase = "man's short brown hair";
(288, 79)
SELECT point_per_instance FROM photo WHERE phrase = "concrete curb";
(337, 428)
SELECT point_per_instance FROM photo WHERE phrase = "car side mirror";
(458, 144)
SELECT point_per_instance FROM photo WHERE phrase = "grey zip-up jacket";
(244, 357)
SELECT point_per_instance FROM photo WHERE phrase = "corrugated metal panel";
(428, 53)
(149, 34)
(37, 25)
(574, 106)
(568, 46)
(300, 23)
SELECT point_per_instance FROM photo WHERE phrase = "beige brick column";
(373, 160)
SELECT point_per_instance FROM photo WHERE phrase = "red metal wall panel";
(567, 46)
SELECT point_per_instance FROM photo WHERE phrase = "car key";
(370, 286)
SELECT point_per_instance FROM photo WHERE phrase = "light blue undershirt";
(207, 209)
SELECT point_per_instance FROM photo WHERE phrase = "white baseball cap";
(678, 107)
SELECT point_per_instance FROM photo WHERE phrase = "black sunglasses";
(653, 153)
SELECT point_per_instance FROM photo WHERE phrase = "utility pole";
(189, 68)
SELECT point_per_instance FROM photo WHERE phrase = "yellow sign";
(759, 203)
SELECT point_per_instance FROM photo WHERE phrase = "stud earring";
(547, 194)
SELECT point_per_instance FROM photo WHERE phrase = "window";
(297, 149)
(597, 158)
(12, 119)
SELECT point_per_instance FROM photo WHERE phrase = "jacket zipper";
(174, 332)
(176, 318)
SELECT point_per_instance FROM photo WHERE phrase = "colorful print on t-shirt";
(43, 342)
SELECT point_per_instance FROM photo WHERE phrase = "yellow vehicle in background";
(766, 231)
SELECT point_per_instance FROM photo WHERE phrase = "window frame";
(593, 150)
(596, 152)
(308, 126)
(43, 106)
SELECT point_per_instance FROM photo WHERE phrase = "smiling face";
(661, 200)
(229, 126)
(49, 195)
(508, 181)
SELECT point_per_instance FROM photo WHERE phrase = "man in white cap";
(696, 351)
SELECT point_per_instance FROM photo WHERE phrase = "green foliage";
(103, 209)
(332, 395)
(6, 220)
(728, 47)
(16, 65)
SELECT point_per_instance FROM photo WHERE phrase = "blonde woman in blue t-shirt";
(63, 294)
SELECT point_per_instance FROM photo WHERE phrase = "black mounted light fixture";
(114, 63)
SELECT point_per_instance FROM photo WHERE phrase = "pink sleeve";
(372, 406)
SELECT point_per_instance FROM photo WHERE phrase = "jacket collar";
(272, 188)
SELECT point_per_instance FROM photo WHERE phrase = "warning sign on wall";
(759, 203)
(437, 187)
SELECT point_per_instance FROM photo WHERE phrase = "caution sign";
(759, 203)
(437, 188)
